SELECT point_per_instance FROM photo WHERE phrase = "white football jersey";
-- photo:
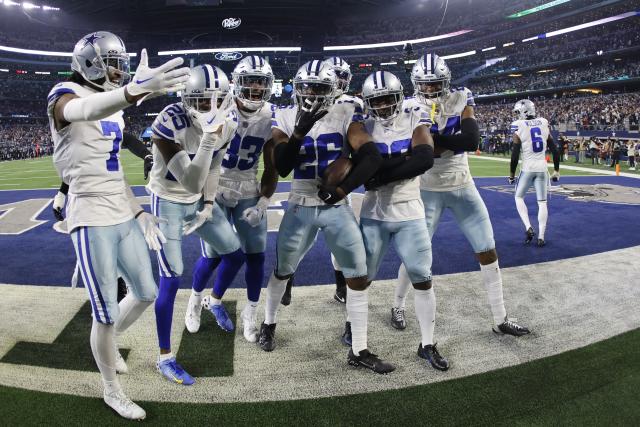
(399, 200)
(240, 163)
(324, 143)
(348, 99)
(86, 156)
(533, 135)
(450, 169)
(176, 125)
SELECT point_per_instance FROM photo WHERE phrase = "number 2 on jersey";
(109, 128)
(316, 155)
(536, 140)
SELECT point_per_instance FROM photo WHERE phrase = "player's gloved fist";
(201, 217)
(330, 194)
(152, 234)
(254, 215)
(228, 197)
(308, 114)
(58, 205)
(556, 176)
(372, 184)
(163, 79)
(148, 165)
(512, 180)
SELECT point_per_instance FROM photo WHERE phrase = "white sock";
(163, 357)
(425, 302)
(492, 280)
(103, 347)
(196, 298)
(543, 214)
(358, 309)
(215, 301)
(523, 212)
(131, 308)
(275, 289)
(402, 288)
(251, 307)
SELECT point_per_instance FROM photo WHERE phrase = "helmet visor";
(384, 107)
(117, 69)
(254, 87)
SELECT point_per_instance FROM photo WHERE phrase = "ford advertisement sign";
(228, 56)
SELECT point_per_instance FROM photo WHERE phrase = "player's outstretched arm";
(515, 157)
(419, 160)
(469, 137)
(555, 153)
(133, 144)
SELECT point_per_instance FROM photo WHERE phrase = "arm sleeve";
(211, 183)
(64, 188)
(555, 153)
(515, 156)
(467, 140)
(134, 145)
(420, 160)
(286, 155)
(192, 174)
(95, 106)
(367, 162)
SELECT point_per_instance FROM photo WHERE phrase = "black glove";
(329, 194)
(148, 164)
(308, 114)
(512, 180)
(57, 212)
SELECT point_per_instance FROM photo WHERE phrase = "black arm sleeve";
(286, 155)
(555, 153)
(467, 140)
(64, 188)
(134, 145)
(420, 161)
(515, 156)
(367, 162)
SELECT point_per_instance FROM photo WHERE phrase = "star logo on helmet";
(91, 39)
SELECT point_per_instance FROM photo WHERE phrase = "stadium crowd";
(24, 141)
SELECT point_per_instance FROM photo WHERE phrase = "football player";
(309, 136)
(189, 140)
(242, 198)
(392, 208)
(531, 136)
(85, 118)
(449, 185)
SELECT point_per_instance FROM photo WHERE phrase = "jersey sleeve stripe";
(58, 93)
(162, 131)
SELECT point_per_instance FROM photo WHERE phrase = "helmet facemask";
(252, 90)
(384, 107)
(315, 91)
(344, 78)
(431, 90)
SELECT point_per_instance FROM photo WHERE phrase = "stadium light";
(398, 43)
(583, 26)
(43, 52)
(4, 70)
(388, 63)
(230, 49)
(488, 48)
(508, 44)
(538, 8)
(459, 55)
(28, 6)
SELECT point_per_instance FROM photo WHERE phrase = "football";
(337, 171)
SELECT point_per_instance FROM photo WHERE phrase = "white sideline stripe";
(575, 168)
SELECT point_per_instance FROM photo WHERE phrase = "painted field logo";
(228, 56)
(231, 23)
(603, 193)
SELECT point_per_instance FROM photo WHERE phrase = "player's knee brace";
(358, 283)
(422, 286)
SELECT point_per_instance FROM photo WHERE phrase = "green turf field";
(27, 174)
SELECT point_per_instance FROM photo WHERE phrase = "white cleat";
(119, 402)
(192, 317)
(121, 365)
(250, 330)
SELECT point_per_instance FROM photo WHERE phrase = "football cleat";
(192, 316)
(220, 313)
(250, 331)
(286, 298)
(119, 402)
(431, 354)
(510, 327)
(341, 294)
(346, 335)
(121, 365)
(267, 338)
(397, 318)
(541, 242)
(171, 370)
(370, 361)
(529, 236)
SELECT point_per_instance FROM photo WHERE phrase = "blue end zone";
(42, 256)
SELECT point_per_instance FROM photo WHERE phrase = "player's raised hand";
(148, 81)
(201, 217)
(152, 234)
(308, 114)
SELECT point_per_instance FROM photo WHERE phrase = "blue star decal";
(91, 39)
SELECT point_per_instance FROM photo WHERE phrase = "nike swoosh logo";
(176, 380)
(142, 81)
(210, 121)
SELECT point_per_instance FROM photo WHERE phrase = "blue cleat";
(171, 370)
(220, 313)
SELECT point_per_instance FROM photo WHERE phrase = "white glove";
(58, 204)
(161, 80)
(152, 234)
(228, 197)
(556, 176)
(218, 129)
(201, 217)
(255, 214)
(456, 101)
(74, 278)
